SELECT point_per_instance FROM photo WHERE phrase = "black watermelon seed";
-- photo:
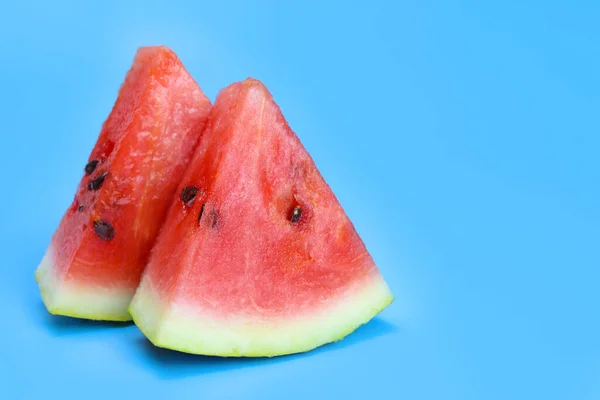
(91, 166)
(104, 230)
(188, 195)
(81, 208)
(95, 184)
(296, 214)
(201, 212)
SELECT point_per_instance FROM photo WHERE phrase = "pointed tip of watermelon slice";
(253, 82)
(248, 85)
(76, 301)
(185, 329)
(152, 50)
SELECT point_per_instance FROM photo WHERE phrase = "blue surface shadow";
(170, 364)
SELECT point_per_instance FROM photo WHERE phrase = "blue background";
(462, 138)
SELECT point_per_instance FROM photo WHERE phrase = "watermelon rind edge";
(79, 301)
(180, 328)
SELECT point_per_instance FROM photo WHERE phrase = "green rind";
(189, 350)
(79, 302)
(167, 327)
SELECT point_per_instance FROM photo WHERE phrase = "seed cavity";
(95, 184)
(296, 214)
(188, 195)
(201, 212)
(214, 216)
(91, 166)
(104, 230)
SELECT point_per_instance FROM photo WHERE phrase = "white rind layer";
(80, 301)
(181, 327)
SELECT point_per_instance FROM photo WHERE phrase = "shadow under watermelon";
(170, 364)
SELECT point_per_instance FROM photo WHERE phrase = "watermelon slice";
(97, 254)
(256, 257)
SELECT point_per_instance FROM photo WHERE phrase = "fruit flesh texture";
(245, 267)
(143, 147)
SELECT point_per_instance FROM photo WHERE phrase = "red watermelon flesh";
(257, 256)
(96, 256)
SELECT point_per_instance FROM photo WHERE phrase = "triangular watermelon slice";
(96, 256)
(256, 257)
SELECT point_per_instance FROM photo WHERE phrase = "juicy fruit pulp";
(96, 256)
(256, 256)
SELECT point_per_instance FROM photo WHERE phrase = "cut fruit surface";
(100, 248)
(256, 256)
